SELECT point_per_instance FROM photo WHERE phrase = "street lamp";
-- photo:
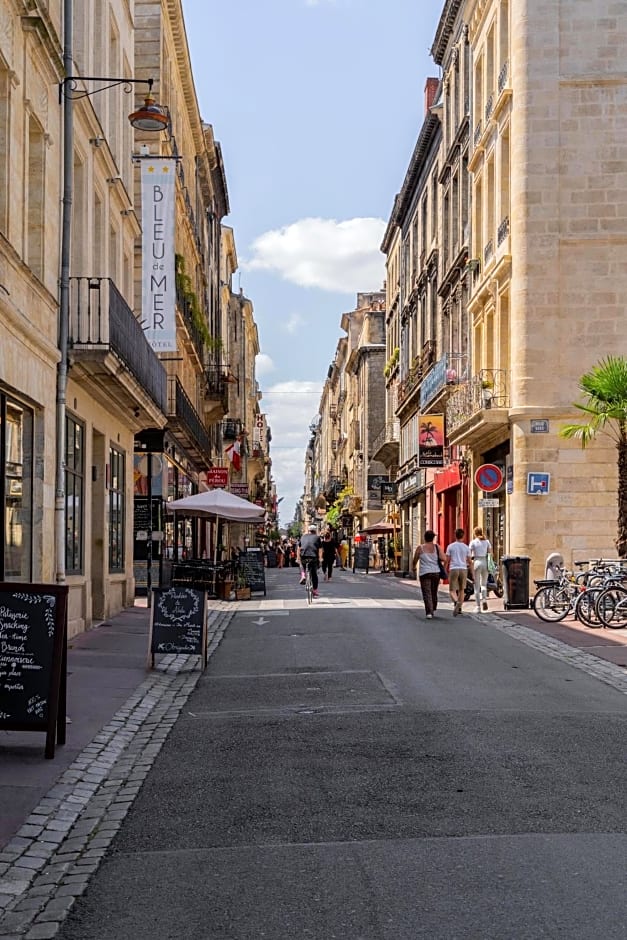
(150, 117)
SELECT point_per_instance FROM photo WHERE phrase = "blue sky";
(317, 105)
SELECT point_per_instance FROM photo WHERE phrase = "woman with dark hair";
(427, 558)
(329, 553)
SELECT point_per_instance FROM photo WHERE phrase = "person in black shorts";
(310, 554)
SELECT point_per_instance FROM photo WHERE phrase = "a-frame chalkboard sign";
(178, 623)
(33, 659)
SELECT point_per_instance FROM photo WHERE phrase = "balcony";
(110, 355)
(185, 423)
(385, 446)
(216, 393)
(410, 383)
(503, 76)
(503, 231)
(480, 404)
(231, 429)
(196, 342)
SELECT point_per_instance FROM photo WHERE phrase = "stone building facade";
(139, 426)
(531, 113)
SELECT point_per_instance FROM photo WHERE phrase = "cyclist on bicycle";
(310, 555)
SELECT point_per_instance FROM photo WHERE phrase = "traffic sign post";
(489, 477)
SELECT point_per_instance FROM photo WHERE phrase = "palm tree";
(605, 388)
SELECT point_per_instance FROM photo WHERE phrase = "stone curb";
(609, 673)
(48, 863)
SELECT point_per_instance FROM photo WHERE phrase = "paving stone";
(57, 905)
(31, 861)
(42, 931)
(16, 919)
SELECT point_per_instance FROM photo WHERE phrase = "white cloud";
(264, 364)
(294, 322)
(290, 407)
(324, 253)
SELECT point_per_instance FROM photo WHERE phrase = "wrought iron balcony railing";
(486, 390)
(503, 76)
(389, 434)
(489, 107)
(185, 420)
(488, 252)
(503, 231)
(477, 134)
(185, 306)
(101, 320)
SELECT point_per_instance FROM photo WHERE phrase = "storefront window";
(116, 510)
(74, 494)
(16, 453)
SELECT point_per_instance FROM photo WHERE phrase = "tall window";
(35, 199)
(116, 510)
(16, 466)
(74, 495)
(5, 87)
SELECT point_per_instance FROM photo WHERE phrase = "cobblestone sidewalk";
(48, 863)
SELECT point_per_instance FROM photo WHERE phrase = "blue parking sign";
(538, 483)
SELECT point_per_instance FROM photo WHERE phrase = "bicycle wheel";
(309, 586)
(552, 603)
(611, 608)
(586, 609)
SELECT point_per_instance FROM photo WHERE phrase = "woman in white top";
(428, 557)
(480, 548)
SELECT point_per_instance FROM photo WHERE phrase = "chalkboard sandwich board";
(178, 623)
(33, 659)
(251, 568)
(361, 558)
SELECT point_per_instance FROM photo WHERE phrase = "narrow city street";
(352, 770)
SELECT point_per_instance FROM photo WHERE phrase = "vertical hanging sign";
(158, 177)
(431, 441)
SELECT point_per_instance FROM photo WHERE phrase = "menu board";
(250, 564)
(361, 557)
(33, 645)
(178, 622)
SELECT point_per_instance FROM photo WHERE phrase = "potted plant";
(242, 591)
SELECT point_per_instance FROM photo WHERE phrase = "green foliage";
(605, 389)
(185, 288)
(333, 514)
(605, 407)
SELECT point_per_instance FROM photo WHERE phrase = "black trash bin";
(515, 581)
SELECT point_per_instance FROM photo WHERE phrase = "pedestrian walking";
(480, 548)
(427, 558)
(458, 564)
(344, 553)
(329, 553)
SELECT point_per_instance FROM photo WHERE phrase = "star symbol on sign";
(166, 169)
(151, 169)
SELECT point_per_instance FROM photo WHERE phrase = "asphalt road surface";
(354, 771)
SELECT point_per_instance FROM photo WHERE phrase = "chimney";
(431, 88)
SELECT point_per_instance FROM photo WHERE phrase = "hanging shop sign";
(158, 191)
(431, 441)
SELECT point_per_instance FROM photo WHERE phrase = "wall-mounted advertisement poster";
(431, 441)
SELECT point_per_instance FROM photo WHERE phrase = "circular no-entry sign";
(489, 477)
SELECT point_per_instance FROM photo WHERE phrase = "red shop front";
(451, 489)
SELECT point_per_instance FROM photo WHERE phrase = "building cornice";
(445, 29)
(428, 132)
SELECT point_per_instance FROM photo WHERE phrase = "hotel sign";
(158, 189)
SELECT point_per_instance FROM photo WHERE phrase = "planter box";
(223, 589)
(242, 594)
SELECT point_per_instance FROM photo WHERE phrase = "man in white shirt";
(458, 564)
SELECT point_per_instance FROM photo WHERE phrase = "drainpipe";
(64, 300)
